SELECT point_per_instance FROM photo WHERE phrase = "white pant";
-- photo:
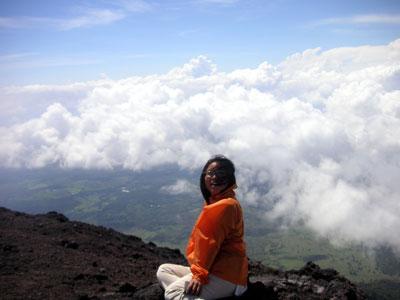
(175, 278)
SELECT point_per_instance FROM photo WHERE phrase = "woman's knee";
(161, 270)
(173, 292)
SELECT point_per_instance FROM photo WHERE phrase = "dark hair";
(224, 163)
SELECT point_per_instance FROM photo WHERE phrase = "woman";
(216, 251)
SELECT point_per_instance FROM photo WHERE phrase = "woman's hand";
(194, 287)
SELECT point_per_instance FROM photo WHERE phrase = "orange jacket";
(216, 244)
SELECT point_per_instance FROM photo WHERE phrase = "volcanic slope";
(46, 256)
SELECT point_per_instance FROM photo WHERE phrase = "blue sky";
(67, 41)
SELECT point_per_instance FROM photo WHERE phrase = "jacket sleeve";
(212, 228)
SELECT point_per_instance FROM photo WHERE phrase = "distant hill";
(46, 256)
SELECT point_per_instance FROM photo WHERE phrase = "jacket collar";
(228, 193)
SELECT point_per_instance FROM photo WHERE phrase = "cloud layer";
(315, 138)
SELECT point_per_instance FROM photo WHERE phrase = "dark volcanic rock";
(310, 282)
(49, 257)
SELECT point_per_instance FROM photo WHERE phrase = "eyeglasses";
(217, 173)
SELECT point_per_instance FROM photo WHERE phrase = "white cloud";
(91, 18)
(181, 186)
(27, 22)
(315, 138)
(12, 57)
(30, 62)
(83, 18)
(88, 18)
(386, 19)
(132, 5)
(197, 67)
(22, 103)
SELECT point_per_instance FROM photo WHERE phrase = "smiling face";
(216, 179)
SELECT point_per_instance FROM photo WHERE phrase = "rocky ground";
(49, 257)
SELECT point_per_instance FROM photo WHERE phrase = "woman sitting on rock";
(216, 251)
